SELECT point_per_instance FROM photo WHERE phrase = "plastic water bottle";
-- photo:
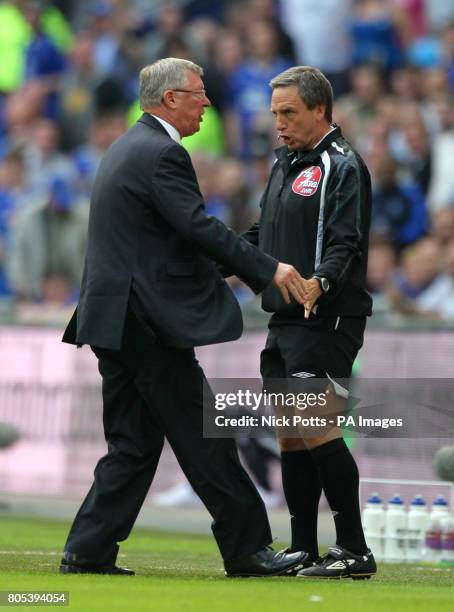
(395, 531)
(432, 546)
(447, 540)
(417, 521)
(439, 508)
(373, 520)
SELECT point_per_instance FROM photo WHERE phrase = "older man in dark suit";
(150, 293)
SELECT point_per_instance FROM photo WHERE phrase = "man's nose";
(206, 101)
(280, 123)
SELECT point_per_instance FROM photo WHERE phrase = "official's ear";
(169, 99)
(320, 112)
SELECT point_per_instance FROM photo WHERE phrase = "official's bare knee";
(335, 406)
(291, 444)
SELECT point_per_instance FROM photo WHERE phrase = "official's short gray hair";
(167, 73)
(313, 86)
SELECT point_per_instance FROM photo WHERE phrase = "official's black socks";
(339, 476)
(302, 489)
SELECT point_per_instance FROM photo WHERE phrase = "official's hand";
(312, 292)
(287, 279)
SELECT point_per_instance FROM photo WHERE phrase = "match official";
(316, 216)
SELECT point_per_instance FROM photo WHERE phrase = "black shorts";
(320, 348)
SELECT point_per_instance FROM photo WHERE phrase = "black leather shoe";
(73, 563)
(308, 562)
(265, 562)
(71, 568)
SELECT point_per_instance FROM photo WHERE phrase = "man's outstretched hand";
(289, 282)
(312, 292)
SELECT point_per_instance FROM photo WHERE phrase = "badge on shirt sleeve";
(306, 183)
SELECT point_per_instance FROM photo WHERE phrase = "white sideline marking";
(38, 552)
(29, 552)
(44, 553)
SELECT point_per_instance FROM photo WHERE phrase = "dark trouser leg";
(257, 460)
(240, 523)
(123, 476)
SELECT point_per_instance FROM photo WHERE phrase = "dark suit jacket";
(150, 237)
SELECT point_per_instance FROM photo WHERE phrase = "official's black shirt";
(316, 213)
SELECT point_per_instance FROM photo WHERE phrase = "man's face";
(297, 126)
(190, 105)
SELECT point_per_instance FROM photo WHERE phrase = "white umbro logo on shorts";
(303, 374)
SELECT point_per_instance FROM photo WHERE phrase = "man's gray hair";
(167, 73)
(313, 86)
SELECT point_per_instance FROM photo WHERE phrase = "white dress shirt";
(171, 131)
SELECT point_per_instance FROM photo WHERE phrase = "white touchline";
(40, 552)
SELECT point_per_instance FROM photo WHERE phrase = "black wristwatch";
(323, 282)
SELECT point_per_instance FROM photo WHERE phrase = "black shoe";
(265, 562)
(71, 565)
(308, 562)
(341, 563)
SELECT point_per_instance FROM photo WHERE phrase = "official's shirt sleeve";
(342, 234)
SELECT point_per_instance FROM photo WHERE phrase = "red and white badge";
(306, 183)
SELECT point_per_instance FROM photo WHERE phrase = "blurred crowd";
(69, 86)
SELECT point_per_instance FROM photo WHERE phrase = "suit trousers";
(151, 392)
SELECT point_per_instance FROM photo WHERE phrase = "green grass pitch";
(180, 572)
